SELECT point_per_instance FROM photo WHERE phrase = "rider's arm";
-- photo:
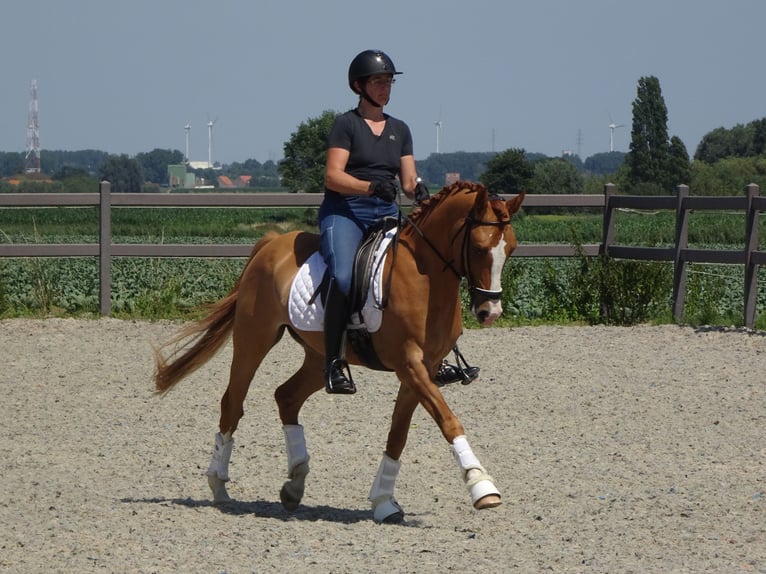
(336, 178)
(408, 175)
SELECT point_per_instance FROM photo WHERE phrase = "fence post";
(105, 248)
(607, 230)
(679, 265)
(751, 244)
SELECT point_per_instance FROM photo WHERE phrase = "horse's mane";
(429, 204)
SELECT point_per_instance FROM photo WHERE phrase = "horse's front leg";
(484, 493)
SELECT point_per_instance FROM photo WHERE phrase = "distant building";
(451, 177)
(179, 177)
(226, 182)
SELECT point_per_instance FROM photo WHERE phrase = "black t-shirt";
(371, 157)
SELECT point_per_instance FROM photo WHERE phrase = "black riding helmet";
(366, 64)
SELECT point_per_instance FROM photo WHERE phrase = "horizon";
(550, 77)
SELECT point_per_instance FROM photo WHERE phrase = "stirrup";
(460, 372)
(343, 383)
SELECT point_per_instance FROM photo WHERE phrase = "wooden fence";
(680, 254)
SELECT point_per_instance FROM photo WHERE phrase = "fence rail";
(680, 254)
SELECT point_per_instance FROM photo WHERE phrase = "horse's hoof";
(489, 501)
(388, 512)
(395, 518)
(218, 486)
(289, 501)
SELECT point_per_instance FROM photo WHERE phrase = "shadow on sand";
(270, 509)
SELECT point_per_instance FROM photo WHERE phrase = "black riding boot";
(335, 320)
(460, 372)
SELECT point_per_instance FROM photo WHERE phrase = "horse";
(461, 232)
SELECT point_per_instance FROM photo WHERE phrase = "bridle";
(469, 223)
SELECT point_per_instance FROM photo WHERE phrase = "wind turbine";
(613, 126)
(187, 127)
(210, 125)
(438, 125)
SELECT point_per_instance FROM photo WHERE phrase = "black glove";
(421, 192)
(384, 189)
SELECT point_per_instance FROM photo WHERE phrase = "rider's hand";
(384, 189)
(421, 192)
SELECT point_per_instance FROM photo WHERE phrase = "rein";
(468, 224)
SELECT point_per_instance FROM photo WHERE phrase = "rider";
(366, 151)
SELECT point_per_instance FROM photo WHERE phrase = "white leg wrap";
(297, 467)
(219, 462)
(479, 483)
(463, 454)
(296, 447)
(381, 495)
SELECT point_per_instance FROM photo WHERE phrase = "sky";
(542, 75)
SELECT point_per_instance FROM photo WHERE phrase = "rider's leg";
(335, 320)
(340, 237)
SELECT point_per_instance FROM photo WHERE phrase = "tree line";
(724, 162)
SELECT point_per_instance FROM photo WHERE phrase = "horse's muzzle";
(487, 312)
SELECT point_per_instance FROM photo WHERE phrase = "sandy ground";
(616, 450)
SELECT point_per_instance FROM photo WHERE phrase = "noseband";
(468, 224)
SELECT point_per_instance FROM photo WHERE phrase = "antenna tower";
(32, 157)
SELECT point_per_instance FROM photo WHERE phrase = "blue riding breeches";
(343, 223)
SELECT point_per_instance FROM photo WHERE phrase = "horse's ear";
(514, 204)
(482, 198)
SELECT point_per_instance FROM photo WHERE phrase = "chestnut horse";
(460, 232)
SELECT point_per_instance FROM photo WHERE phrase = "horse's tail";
(204, 337)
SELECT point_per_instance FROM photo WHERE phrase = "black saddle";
(357, 334)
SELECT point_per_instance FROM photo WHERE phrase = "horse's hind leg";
(385, 507)
(250, 345)
(290, 397)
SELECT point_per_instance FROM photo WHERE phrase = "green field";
(535, 289)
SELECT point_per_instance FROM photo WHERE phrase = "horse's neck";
(432, 251)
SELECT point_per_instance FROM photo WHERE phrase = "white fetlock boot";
(218, 471)
(297, 467)
(484, 493)
(384, 506)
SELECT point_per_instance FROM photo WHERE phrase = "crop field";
(535, 289)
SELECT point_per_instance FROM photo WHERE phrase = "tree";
(508, 172)
(650, 168)
(556, 175)
(740, 141)
(11, 163)
(303, 166)
(679, 169)
(123, 173)
(470, 166)
(605, 163)
(155, 164)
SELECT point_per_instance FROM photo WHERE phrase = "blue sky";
(125, 77)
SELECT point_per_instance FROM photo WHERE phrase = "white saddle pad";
(310, 316)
